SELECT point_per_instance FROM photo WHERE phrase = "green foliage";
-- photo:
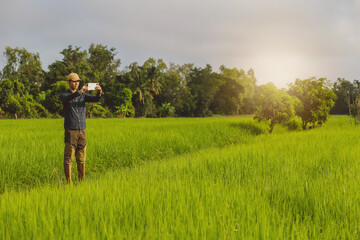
(123, 104)
(23, 107)
(236, 92)
(121, 98)
(228, 99)
(96, 110)
(316, 98)
(24, 67)
(294, 124)
(52, 100)
(274, 105)
(12, 106)
(166, 110)
(144, 81)
(104, 65)
(347, 94)
(154, 69)
(176, 91)
(41, 97)
(140, 86)
(31, 109)
(57, 72)
(123, 111)
(76, 60)
(2, 114)
(247, 98)
(9, 87)
(203, 84)
(16, 102)
(192, 91)
(104, 70)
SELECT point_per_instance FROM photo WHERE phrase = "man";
(75, 124)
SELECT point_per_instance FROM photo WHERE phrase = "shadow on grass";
(253, 127)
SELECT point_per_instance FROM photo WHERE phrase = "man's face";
(73, 85)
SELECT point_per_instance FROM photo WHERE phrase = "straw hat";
(73, 77)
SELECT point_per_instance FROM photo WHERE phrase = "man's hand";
(84, 89)
(98, 88)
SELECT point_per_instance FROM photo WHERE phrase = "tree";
(122, 103)
(141, 90)
(203, 84)
(12, 106)
(248, 82)
(16, 102)
(274, 106)
(57, 72)
(175, 90)
(144, 81)
(228, 98)
(52, 100)
(103, 62)
(316, 99)
(74, 60)
(155, 70)
(24, 67)
(346, 93)
(10, 92)
(104, 66)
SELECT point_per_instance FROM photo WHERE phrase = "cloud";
(280, 39)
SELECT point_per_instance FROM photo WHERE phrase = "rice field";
(32, 150)
(212, 178)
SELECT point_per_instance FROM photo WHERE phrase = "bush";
(125, 111)
(95, 110)
(2, 114)
(294, 124)
(166, 110)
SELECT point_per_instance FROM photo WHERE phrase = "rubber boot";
(81, 171)
(67, 170)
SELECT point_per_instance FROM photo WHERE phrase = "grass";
(287, 185)
(32, 150)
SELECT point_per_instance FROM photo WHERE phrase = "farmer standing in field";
(75, 123)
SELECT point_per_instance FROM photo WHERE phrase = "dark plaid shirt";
(74, 108)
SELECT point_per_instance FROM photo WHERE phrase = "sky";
(281, 40)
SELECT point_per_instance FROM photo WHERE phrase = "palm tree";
(145, 83)
(154, 69)
(140, 87)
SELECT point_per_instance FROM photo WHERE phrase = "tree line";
(157, 89)
(153, 89)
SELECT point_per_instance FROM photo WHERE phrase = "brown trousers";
(75, 146)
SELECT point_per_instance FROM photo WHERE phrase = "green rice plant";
(31, 151)
(288, 185)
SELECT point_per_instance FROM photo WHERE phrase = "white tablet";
(91, 86)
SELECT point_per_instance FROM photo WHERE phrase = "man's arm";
(68, 96)
(92, 98)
